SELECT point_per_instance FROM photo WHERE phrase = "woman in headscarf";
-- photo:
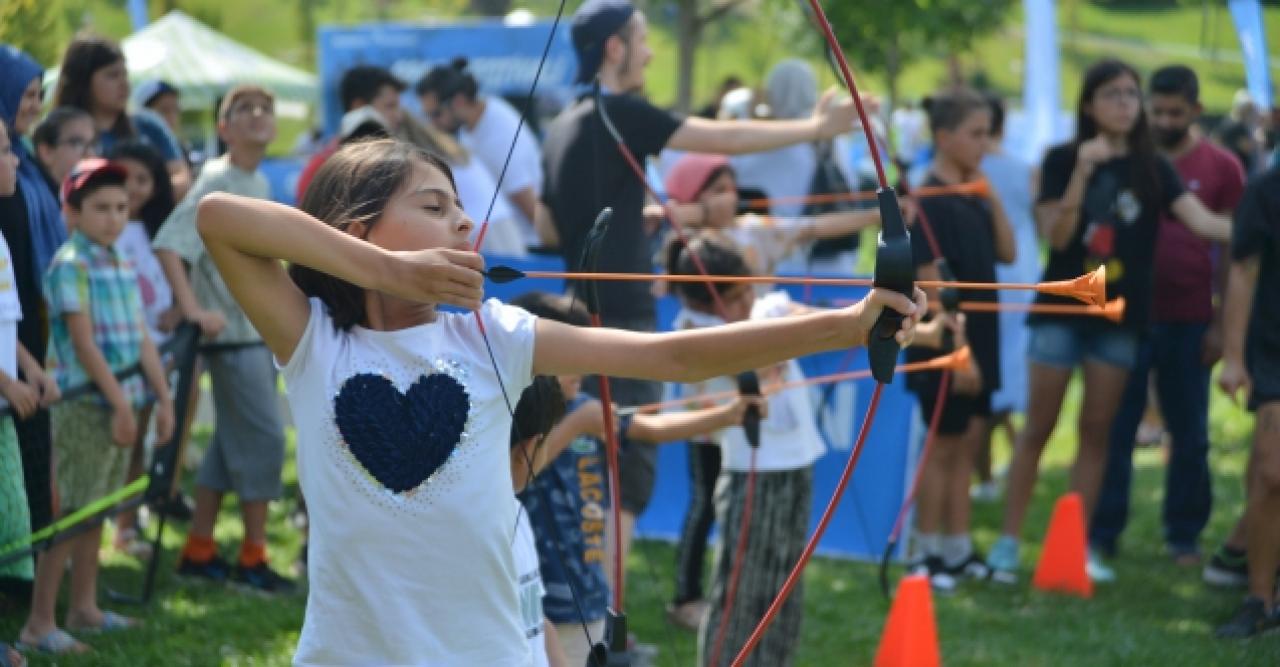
(32, 225)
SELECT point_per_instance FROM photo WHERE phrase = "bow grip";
(749, 385)
(895, 270)
(591, 252)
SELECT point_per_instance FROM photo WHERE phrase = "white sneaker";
(1098, 571)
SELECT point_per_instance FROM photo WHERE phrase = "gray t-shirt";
(179, 235)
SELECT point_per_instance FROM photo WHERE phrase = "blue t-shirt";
(570, 532)
(151, 131)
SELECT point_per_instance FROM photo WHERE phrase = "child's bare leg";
(254, 515)
(82, 604)
(44, 598)
(208, 502)
(967, 447)
(128, 521)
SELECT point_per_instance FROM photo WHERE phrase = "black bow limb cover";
(895, 270)
(749, 385)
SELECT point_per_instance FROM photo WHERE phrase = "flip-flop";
(6, 661)
(111, 622)
(56, 642)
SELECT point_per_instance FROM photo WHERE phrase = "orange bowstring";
(959, 359)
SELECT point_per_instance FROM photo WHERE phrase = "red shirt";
(1185, 263)
(313, 165)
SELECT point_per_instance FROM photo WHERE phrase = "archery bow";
(895, 271)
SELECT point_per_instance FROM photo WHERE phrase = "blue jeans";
(1182, 387)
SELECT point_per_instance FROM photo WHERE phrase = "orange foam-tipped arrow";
(978, 188)
(1114, 310)
(1089, 288)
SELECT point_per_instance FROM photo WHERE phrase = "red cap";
(689, 175)
(90, 168)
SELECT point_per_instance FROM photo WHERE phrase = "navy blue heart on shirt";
(398, 438)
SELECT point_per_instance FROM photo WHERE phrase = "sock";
(930, 544)
(199, 549)
(251, 554)
(955, 549)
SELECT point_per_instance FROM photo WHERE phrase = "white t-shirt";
(410, 562)
(157, 298)
(789, 438)
(529, 579)
(767, 241)
(475, 189)
(490, 141)
(10, 314)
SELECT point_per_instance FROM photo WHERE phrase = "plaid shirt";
(85, 277)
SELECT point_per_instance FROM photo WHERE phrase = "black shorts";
(957, 411)
(1264, 371)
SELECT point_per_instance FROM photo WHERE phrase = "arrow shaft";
(765, 280)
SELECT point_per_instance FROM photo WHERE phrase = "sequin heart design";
(401, 438)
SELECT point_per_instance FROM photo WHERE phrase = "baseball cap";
(91, 170)
(689, 175)
(593, 24)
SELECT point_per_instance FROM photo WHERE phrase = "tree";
(34, 27)
(885, 37)
(692, 18)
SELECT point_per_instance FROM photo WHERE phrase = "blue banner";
(502, 57)
(1247, 16)
(139, 15)
(1041, 82)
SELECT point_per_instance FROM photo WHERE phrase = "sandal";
(56, 642)
(111, 622)
(10, 657)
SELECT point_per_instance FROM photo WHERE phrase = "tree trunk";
(688, 31)
(892, 69)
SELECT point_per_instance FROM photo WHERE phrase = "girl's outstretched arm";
(247, 239)
(696, 354)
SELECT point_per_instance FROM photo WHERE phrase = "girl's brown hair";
(85, 55)
(354, 185)
(720, 257)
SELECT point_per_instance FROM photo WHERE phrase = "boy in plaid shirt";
(97, 329)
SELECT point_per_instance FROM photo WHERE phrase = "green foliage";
(35, 26)
(885, 37)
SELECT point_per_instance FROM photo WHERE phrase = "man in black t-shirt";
(1251, 360)
(585, 172)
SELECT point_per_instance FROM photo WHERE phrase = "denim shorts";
(1067, 346)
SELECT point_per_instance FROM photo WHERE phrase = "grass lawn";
(1157, 614)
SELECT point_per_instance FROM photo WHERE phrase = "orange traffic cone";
(910, 636)
(1062, 561)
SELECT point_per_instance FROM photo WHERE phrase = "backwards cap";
(593, 24)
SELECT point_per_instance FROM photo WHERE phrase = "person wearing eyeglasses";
(246, 455)
(62, 139)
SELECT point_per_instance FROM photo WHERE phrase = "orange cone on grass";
(1062, 561)
(910, 636)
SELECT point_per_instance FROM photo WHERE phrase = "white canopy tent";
(203, 64)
